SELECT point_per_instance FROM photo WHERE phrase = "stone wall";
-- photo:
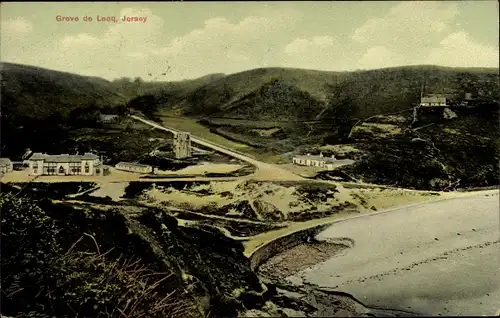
(283, 243)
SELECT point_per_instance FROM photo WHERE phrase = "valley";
(240, 186)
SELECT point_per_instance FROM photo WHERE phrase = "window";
(61, 170)
(34, 170)
(87, 168)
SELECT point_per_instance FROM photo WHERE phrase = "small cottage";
(134, 167)
(315, 161)
(435, 100)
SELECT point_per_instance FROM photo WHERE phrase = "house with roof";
(134, 167)
(88, 164)
(315, 161)
(433, 100)
(6, 165)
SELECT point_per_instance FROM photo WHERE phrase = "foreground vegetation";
(61, 261)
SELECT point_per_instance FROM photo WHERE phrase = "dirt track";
(263, 171)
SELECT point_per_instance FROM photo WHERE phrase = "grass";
(377, 130)
(141, 285)
(191, 125)
(261, 124)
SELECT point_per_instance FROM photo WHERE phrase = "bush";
(42, 278)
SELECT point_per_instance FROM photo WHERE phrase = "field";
(191, 125)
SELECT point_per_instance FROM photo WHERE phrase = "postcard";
(249, 159)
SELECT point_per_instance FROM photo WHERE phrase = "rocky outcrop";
(267, 211)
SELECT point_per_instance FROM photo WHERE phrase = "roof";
(5, 162)
(132, 164)
(316, 158)
(63, 157)
(433, 99)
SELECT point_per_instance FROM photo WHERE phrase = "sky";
(184, 40)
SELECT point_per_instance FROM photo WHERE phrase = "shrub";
(43, 279)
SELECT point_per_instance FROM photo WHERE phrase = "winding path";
(263, 170)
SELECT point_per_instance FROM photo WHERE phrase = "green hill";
(305, 106)
(38, 103)
(151, 96)
(329, 98)
(370, 92)
(34, 92)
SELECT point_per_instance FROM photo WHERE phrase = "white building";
(6, 165)
(315, 161)
(134, 167)
(433, 101)
(63, 165)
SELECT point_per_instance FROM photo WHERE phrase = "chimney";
(321, 154)
(308, 154)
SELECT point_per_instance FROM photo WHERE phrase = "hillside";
(318, 104)
(371, 92)
(438, 154)
(67, 260)
(44, 109)
(220, 95)
(148, 97)
(37, 103)
(368, 93)
(95, 262)
(34, 92)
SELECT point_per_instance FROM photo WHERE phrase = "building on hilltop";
(87, 164)
(433, 100)
(315, 161)
(6, 165)
(134, 167)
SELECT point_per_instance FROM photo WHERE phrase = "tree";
(146, 104)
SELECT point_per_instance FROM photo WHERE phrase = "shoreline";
(298, 258)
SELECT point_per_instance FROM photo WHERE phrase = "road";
(441, 258)
(263, 170)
